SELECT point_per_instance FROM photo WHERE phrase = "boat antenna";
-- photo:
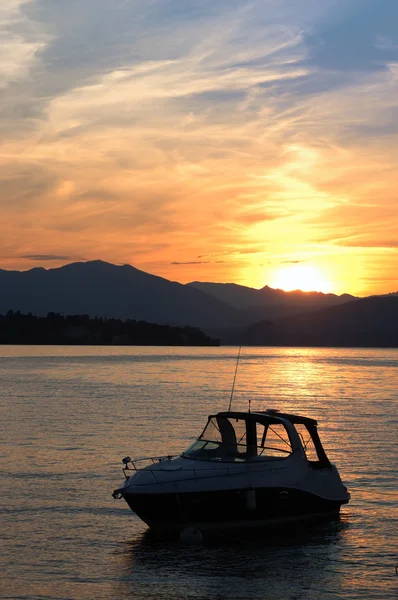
(233, 385)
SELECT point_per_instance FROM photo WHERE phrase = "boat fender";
(250, 497)
(191, 535)
(284, 495)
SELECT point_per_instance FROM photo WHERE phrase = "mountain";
(267, 302)
(371, 321)
(101, 289)
(232, 313)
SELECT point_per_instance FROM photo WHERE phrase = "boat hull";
(228, 508)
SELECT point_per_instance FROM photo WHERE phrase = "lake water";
(69, 414)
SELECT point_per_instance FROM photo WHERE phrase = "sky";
(203, 140)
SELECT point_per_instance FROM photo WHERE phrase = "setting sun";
(300, 277)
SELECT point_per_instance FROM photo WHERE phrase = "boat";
(245, 469)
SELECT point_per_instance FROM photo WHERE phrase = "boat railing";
(139, 463)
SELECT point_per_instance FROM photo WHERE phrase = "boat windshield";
(239, 440)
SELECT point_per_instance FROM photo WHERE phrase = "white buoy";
(191, 535)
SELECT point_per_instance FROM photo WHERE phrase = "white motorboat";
(246, 468)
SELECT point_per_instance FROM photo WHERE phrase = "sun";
(301, 277)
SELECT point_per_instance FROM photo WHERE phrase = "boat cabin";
(269, 435)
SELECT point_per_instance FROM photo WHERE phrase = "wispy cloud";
(166, 132)
(198, 262)
(291, 262)
(50, 257)
(21, 42)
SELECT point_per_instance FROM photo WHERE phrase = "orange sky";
(253, 142)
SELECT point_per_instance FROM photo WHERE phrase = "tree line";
(18, 328)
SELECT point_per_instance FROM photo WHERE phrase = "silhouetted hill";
(370, 321)
(239, 296)
(224, 311)
(267, 302)
(100, 289)
(17, 328)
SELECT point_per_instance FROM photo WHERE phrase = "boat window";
(312, 446)
(307, 442)
(222, 439)
(239, 427)
(211, 432)
(235, 440)
(273, 441)
(202, 450)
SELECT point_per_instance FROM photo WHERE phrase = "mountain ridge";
(366, 322)
(101, 289)
(268, 302)
(230, 312)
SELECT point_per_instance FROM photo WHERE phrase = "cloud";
(197, 262)
(291, 262)
(21, 42)
(50, 257)
(141, 132)
(370, 241)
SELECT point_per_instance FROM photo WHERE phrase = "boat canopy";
(268, 416)
(233, 436)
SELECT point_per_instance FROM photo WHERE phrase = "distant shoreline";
(81, 330)
(318, 329)
(215, 344)
(115, 345)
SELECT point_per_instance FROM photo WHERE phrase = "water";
(70, 414)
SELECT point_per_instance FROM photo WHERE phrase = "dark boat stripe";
(220, 507)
